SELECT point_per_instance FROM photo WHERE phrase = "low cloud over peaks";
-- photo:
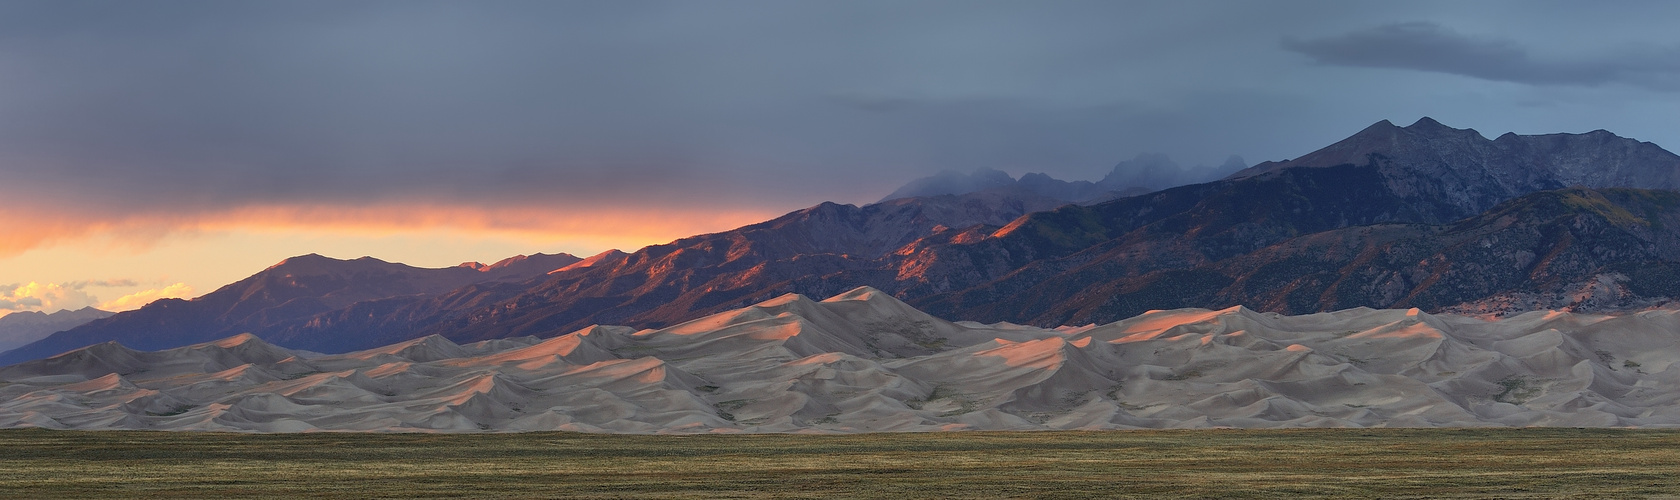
(1427, 46)
(46, 297)
(143, 297)
(101, 283)
(53, 297)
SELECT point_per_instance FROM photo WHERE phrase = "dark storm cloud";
(204, 105)
(1426, 46)
(207, 104)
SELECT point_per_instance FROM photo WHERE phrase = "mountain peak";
(23, 327)
(1429, 127)
(1484, 170)
(1427, 123)
(1380, 126)
(304, 259)
(592, 261)
(314, 264)
(524, 266)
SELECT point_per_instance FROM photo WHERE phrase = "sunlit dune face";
(820, 359)
(1412, 331)
(233, 341)
(641, 370)
(1045, 353)
(482, 384)
(785, 331)
(559, 346)
(389, 369)
(530, 358)
(1152, 324)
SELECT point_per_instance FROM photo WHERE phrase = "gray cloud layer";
(194, 105)
(1427, 46)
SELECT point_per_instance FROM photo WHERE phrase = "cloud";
(132, 121)
(136, 300)
(48, 297)
(52, 297)
(629, 224)
(1427, 46)
(675, 105)
(78, 285)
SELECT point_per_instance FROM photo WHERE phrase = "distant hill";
(298, 287)
(23, 327)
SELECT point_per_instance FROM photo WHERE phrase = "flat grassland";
(1432, 463)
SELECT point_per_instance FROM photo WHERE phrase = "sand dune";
(865, 362)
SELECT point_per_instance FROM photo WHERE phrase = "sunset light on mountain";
(839, 249)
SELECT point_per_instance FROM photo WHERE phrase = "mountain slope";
(1580, 249)
(664, 284)
(1467, 170)
(1100, 263)
(298, 287)
(1075, 263)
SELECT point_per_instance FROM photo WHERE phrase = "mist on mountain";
(1146, 173)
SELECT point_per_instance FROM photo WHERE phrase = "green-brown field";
(1578, 463)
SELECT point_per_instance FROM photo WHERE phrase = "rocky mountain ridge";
(1474, 173)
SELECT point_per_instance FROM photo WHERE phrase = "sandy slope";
(863, 361)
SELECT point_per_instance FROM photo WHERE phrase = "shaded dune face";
(864, 362)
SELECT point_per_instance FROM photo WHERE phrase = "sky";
(166, 148)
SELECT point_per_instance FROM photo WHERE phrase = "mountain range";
(1425, 216)
(23, 327)
(295, 289)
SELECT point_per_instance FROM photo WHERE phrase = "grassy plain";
(1431, 463)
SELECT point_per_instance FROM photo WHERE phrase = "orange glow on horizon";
(628, 228)
(187, 254)
(136, 300)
